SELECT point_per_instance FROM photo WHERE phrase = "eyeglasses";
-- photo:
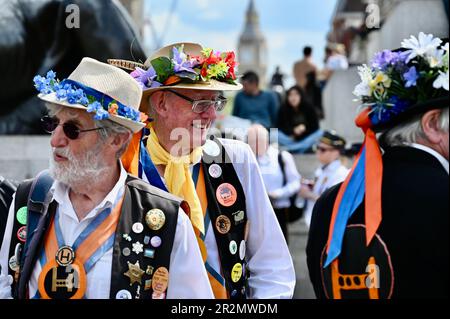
(49, 124)
(318, 148)
(200, 106)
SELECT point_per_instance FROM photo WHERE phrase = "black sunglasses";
(49, 124)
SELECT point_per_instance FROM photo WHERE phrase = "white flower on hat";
(363, 88)
(441, 81)
(426, 45)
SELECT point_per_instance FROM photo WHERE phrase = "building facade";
(252, 47)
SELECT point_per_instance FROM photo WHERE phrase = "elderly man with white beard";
(85, 228)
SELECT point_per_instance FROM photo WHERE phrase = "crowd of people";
(140, 201)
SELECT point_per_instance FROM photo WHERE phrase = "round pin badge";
(158, 295)
(137, 228)
(215, 171)
(236, 272)
(65, 256)
(13, 264)
(22, 234)
(22, 215)
(211, 148)
(160, 280)
(223, 224)
(226, 194)
(242, 248)
(155, 219)
(126, 251)
(123, 294)
(155, 241)
(233, 247)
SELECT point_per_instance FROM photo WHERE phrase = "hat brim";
(212, 85)
(416, 109)
(133, 126)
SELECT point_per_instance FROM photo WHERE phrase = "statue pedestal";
(22, 157)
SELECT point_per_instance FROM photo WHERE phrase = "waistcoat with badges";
(227, 212)
(147, 224)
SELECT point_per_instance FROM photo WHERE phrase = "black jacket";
(414, 225)
(288, 118)
(7, 189)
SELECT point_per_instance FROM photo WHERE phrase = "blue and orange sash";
(93, 242)
(363, 182)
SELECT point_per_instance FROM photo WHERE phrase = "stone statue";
(39, 35)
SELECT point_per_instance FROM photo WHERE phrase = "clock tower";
(252, 48)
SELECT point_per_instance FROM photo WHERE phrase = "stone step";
(23, 157)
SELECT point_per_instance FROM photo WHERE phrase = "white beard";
(81, 171)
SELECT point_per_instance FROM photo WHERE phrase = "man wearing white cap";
(86, 229)
(242, 245)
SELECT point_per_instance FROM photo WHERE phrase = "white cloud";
(202, 4)
(179, 31)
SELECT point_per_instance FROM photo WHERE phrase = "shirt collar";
(61, 195)
(332, 166)
(431, 151)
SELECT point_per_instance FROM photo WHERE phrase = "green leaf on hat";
(163, 68)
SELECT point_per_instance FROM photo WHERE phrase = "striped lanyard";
(64, 267)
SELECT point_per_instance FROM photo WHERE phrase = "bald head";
(258, 139)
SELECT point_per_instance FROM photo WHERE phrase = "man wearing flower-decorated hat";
(383, 232)
(242, 245)
(85, 228)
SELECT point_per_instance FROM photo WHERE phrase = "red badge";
(226, 194)
(22, 234)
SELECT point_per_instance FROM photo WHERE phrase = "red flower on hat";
(230, 61)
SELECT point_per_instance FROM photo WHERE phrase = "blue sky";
(287, 24)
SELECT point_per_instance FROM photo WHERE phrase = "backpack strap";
(31, 203)
(283, 170)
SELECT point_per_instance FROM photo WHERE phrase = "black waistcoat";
(140, 197)
(229, 222)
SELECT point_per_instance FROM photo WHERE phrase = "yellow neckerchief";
(178, 176)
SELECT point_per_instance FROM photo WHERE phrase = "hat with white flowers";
(396, 86)
(99, 88)
(401, 83)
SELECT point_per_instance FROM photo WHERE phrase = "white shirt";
(337, 62)
(431, 151)
(272, 274)
(326, 177)
(273, 176)
(187, 275)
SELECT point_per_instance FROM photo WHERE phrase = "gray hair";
(412, 130)
(109, 128)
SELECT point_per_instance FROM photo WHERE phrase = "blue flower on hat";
(101, 114)
(411, 77)
(76, 93)
(42, 84)
(180, 61)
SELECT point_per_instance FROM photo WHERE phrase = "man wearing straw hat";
(86, 229)
(242, 245)
(383, 232)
